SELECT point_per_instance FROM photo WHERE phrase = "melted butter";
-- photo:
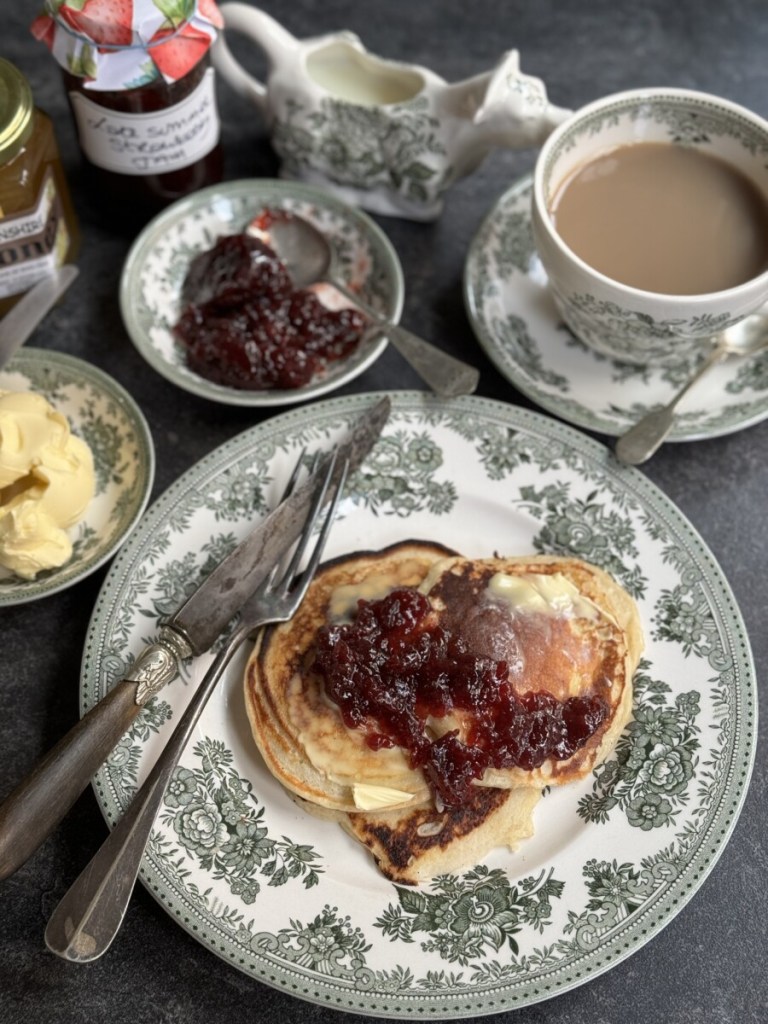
(340, 754)
(344, 598)
(542, 593)
(375, 798)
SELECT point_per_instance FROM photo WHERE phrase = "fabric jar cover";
(126, 44)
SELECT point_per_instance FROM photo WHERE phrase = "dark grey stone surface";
(708, 964)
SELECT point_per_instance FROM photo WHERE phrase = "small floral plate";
(104, 415)
(154, 272)
(291, 900)
(516, 322)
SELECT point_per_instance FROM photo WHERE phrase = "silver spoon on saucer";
(309, 259)
(647, 435)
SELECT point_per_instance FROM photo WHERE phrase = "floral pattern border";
(477, 930)
(105, 416)
(686, 120)
(160, 256)
(524, 336)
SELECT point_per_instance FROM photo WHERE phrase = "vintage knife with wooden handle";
(41, 800)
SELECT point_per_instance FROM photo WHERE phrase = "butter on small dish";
(46, 483)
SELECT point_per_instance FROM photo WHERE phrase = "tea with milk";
(664, 218)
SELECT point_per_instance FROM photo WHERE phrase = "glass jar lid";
(16, 109)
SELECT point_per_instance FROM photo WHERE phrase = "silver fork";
(89, 916)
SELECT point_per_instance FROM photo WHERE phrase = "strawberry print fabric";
(126, 44)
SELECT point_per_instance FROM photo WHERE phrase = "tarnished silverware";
(647, 435)
(41, 800)
(19, 323)
(84, 924)
(309, 258)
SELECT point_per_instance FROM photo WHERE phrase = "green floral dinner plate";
(516, 322)
(295, 903)
(103, 413)
(154, 272)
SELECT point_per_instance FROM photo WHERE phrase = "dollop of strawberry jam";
(245, 326)
(393, 668)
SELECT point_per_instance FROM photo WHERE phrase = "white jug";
(387, 136)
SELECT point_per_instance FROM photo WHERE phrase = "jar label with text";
(155, 143)
(33, 243)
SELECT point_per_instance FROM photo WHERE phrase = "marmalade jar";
(142, 94)
(38, 227)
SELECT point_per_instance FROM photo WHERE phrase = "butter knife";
(19, 323)
(40, 801)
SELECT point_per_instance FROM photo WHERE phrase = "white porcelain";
(627, 323)
(385, 135)
(158, 261)
(289, 899)
(106, 417)
(510, 307)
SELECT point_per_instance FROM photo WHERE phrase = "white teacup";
(623, 322)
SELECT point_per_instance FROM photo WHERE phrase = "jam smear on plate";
(393, 673)
(245, 326)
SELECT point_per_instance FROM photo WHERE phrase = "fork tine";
(301, 583)
(293, 478)
(309, 524)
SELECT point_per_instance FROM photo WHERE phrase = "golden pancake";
(298, 730)
(561, 625)
(412, 846)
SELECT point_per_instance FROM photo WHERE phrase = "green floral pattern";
(328, 944)
(366, 147)
(655, 759)
(518, 325)
(400, 478)
(687, 120)
(281, 894)
(583, 527)
(150, 297)
(616, 891)
(101, 412)
(219, 821)
(636, 334)
(465, 917)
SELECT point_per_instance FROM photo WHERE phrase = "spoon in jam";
(308, 257)
(640, 442)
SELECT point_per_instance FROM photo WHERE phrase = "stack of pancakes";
(560, 624)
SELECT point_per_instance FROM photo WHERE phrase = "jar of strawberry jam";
(142, 93)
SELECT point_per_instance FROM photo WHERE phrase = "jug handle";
(274, 40)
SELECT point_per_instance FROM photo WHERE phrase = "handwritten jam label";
(155, 143)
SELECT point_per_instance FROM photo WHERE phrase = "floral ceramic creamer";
(387, 136)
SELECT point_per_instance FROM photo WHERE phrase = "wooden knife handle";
(37, 805)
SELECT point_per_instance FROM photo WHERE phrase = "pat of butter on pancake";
(344, 598)
(545, 593)
(376, 798)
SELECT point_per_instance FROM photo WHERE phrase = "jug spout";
(386, 135)
(515, 106)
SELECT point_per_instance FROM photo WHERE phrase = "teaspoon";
(648, 434)
(308, 258)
